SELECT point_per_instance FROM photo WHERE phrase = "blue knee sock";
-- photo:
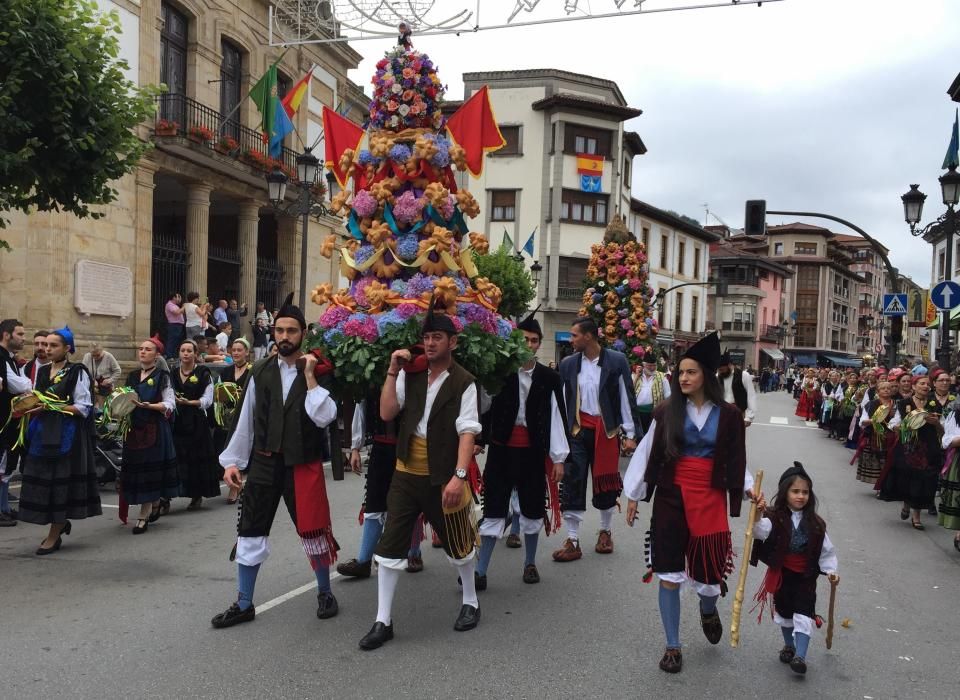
(487, 543)
(530, 548)
(4, 496)
(803, 641)
(515, 524)
(415, 552)
(246, 582)
(670, 615)
(787, 635)
(372, 529)
(708, 603)
(323, 579)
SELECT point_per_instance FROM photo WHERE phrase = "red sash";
(606, 456)
(705, 510)
(313, 513)
(797, 563)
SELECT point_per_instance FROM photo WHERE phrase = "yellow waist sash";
(416, 462)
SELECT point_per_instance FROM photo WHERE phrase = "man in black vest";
(600, 404)
(278, 440)
(12, 383)
(435, 403)
(738, 388)
(525, 432)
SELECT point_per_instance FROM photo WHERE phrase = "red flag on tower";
(474, 128)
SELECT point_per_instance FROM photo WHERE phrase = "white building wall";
(129, 38)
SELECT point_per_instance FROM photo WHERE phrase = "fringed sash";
(313, 514)
(606, 455)
(705, 508)
(797, 563)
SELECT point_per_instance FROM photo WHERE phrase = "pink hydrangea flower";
(365, 204)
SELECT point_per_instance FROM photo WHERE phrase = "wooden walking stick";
(744, 562)
(834, 581)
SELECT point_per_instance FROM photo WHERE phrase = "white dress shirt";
(828, 554)
(358, 425)
(559, 448)
(17, 383)
(634, 485)
(645, 392)
(468, 420)
(727, 382)
(319, 407)
(588, 381)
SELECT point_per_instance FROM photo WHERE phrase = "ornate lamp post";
(305, 206)
(946, 225)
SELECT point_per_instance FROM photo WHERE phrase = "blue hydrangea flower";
(363, 253)
(407, 247)
(400, 153)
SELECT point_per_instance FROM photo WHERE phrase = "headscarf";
(243, 341)
(67, 336)
(158, 344)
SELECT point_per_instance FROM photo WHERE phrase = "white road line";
(793, 427)
(779, 420)
(312, 586)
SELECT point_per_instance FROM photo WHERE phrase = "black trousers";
(514, 467)
(797, 595)
(259, 502)
(380, 467)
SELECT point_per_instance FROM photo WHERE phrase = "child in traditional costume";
(791, 539)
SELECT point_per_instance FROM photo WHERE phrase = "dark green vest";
(283, 427)
(442, 438)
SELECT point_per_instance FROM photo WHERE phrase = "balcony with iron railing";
(738, 327)
(770, 332)
(180, 117)
(569, 293)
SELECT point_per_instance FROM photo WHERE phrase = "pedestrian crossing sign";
(894, 304)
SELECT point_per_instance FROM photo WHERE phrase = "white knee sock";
(466, 580)
(573, 526)
(386, 586)
(606, 518)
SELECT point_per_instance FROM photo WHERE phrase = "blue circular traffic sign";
(946, 295)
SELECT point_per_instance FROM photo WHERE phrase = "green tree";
(510, 275)
(67, 110)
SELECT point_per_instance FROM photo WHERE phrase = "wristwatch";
(461, 473)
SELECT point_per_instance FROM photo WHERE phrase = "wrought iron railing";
(569, 293)
(178, 115)
(738, 326)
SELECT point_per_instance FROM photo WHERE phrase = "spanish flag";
(589, 165)
(474, 128)
(291, 101)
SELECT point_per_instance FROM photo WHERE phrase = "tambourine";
(24, 403)
(226, 397)
(121, 402)
(916, 419)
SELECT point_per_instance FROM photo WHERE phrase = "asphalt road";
(112, 615)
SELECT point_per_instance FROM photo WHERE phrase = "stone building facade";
(194, 214)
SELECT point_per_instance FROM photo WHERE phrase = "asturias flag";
(528, 246)
(339, 134)
(952, 159)
(589, 164)
(292, 100)
(474, 128)
(281, 127)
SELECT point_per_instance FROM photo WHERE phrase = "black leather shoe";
(467, 619)
(354, 569)
(798, 665)
(233, 616)
(50, 550)
(712, 627)
(530, 574)
(479, 581)
(378, 635)
(326, 606)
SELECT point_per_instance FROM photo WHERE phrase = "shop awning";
(841, 361)
(773, 353)
(954, 320)
(805, 360)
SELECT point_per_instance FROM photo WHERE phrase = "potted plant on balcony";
(199, 134)
(256, 158)
(319, 190)
(226, 145)
(166, 127)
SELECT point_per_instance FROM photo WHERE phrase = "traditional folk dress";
(197, 467)
(59, 478)
(599, 405)
(149, 456)
(912, 474)
(238, 375)
(14, 383)
(809, 397)
(949, 513)
(876, 438)
(526, 437)
(650, 392)
(796, 551)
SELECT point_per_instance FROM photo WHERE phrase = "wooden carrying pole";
(833, 601)
(744, 562)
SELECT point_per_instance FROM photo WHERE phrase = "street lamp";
(535, 271)
(946, 225)
(305, 206)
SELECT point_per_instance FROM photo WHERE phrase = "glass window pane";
(579, 144)
(587, 212)
(577, 212)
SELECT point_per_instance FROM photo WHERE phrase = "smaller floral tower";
(617, 294)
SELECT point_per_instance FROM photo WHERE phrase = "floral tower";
(407, 244)
(617, 294)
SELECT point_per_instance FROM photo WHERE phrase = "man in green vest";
(435, 403)
(278, 440)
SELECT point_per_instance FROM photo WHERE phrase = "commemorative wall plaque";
(102, 289)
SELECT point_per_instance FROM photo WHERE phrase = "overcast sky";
(815, 105)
